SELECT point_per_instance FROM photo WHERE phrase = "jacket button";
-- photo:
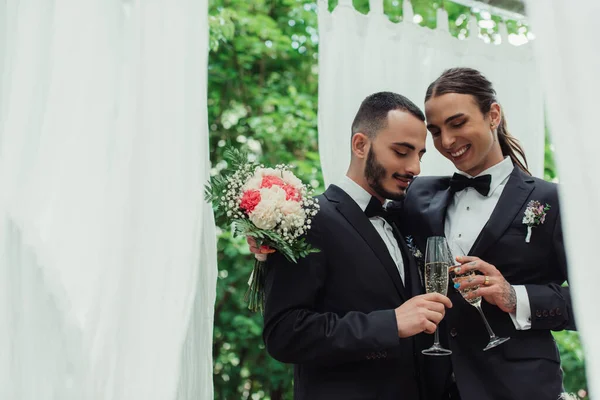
(551, 313)
(453, 332)
(545, 313)
(538, 314)
(558, 312)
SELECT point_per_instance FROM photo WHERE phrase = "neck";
(359, 178)
(494, 158)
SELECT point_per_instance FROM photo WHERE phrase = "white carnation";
(293, 221)
(266, 213)
(291, 207)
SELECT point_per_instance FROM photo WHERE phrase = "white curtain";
(107, 250)
(569, 61)
(362, 54)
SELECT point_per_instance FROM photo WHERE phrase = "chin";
(396, 194)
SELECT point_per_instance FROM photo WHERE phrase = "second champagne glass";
(476, 302)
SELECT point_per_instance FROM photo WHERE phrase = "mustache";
(403, 176)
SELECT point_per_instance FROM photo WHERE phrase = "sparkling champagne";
(436, 277)
(476, 301)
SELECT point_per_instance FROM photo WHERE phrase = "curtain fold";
(362, 54)
(569, 60)
(108, 253)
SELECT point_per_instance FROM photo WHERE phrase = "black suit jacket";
(332, 314)
(528, 365)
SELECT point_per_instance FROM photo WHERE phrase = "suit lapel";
(354, 215)
(411, 270)
(515, 193)
(436, 213)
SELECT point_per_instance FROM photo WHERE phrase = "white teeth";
(460, 152)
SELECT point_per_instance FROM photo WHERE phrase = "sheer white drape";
(107, 250)
(569, 60)
(362, 54)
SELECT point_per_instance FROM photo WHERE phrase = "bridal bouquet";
(269, 204)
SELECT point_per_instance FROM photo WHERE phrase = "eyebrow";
(410, 146)
(449, 119)
(455, 116)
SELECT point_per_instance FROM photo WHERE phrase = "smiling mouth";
(403, 182)
(460, 152)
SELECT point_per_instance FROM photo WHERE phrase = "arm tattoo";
(509, 297)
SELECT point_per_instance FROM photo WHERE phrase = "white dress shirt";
(467, 214)
(362, 198)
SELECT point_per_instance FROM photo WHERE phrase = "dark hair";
(372, 114)
(472, 82)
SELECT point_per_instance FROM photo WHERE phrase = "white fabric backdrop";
(362, 54)
(107, 250)
(569, 59)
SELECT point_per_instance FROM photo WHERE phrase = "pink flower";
(270, 180)
(291, 193)
(250, 200)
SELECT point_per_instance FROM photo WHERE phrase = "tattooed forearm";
(509, 298)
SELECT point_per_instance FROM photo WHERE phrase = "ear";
(495, 115)
(360, 145)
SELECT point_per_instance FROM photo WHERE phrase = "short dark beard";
(375, 173)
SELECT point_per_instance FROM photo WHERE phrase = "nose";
(414, 166)
(448, 140)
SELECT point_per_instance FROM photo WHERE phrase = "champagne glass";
(437, 262)
(476, 302)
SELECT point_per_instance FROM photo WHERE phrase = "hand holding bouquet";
(270, 205)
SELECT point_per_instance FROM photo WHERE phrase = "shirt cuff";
(522, 317)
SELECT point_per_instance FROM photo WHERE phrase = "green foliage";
(572, 360)
(262, 98)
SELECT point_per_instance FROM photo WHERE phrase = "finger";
(436, 307)
(255, 250)
(430, 327)
(266, 250)
(475, 265)
(434, 316)
(469, 282)
(479, 292)
(436, 297)
(261, 257)
(251, 241)
(466, 259)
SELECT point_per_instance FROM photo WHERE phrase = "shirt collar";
(499, 172)
(355, 191)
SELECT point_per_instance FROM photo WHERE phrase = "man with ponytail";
(487, 212)
(483, 211)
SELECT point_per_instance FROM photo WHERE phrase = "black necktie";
(375, 209)
(459, 182)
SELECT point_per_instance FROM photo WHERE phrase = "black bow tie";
(459, 182)
(375, 209)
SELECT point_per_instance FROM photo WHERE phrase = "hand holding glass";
(476, 302)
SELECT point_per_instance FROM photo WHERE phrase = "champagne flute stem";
(436, 342)
(487, 325)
